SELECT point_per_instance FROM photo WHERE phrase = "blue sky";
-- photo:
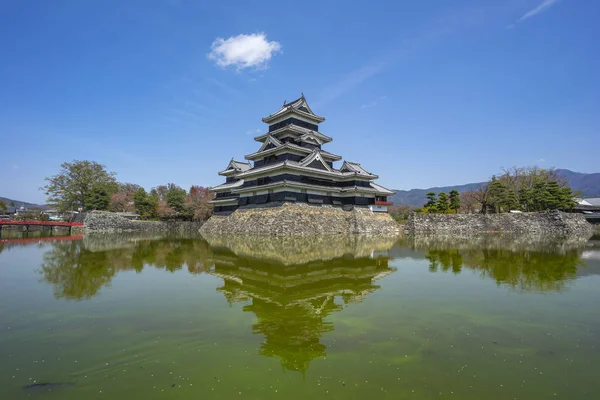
(422, 93)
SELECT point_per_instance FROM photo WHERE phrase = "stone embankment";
(101, 221)
(301, 219)
(301, 249)
(498, 241)
(552, 223)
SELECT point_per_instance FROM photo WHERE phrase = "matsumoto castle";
(291, 166)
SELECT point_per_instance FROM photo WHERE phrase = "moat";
(341, 317)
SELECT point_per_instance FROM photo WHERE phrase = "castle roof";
(241, 165)
(298, 106)
(279, 146)
(354, 167)
(236, 166)
(381, 189)
(297, 166)
(228, 186)
(347, 190)
(295, 129)
(315, 160)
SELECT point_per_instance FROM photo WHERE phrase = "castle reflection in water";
(293, 284)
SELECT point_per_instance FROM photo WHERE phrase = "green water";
(340, 317)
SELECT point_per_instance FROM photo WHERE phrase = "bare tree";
(481, 197)
(469, 203)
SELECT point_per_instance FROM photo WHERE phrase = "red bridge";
(27, 224)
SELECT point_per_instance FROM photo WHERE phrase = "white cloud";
(15, 166)
(253, 132)
(543, 6)
(539, 161)
(244, 51)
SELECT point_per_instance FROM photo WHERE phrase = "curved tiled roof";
(296, 165)
(299, 105)
(355, 167)
(325, 154)
(381, 189)
(315, 155)
(227, 186)
(294, 128)
(241, 165)
(236, 166)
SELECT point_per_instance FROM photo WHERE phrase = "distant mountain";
(19, 203)
(588, 184)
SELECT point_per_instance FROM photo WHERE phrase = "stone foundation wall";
(101, 221)
(301, 218)
(552, 223)
(301, 249)
(503, 242)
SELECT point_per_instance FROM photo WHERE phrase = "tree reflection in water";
(76, 273)
(291, 292)
(292, 285)
(527, 266)
(78, 269)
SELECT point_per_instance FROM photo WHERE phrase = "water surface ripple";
(343, 317)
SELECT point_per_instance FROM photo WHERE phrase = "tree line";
(87, 185)
(524, 189)
(528, 189)
(442, 203)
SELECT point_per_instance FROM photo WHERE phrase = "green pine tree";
(454, 200)
(431, 205)
(142, 203)
(98, 197)
(497, 194)
(511, 202)
(526, 199)
(542, 198)
(175, 197)
(443, 203)
(153, 202)
(566, 198)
